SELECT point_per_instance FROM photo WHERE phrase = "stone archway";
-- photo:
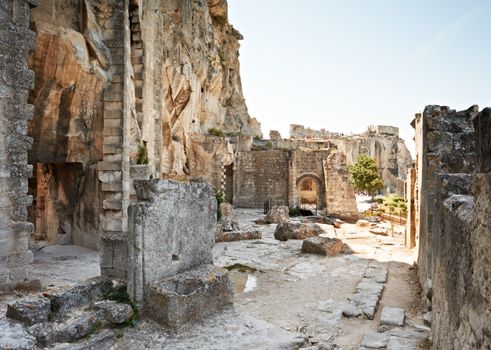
(310, 192)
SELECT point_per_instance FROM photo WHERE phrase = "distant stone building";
(302, 178)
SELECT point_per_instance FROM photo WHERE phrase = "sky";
(345, 64)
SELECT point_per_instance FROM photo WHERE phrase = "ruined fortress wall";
(452, 204)
(389, 151)
(16, 40)
(261, 175)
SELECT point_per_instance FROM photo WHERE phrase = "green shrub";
(294, 211)
(216, 132)
(220, 199)
(257, 138)
(142, 153)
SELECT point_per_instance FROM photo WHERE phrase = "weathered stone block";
(233, 236)
(87, 292)
(29, 310)
(189, 296)
(322, 246)
(116, 313)
(171, 229)
(277, 214)
(392, 316)
(296, 230)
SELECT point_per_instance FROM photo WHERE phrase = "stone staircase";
(67, 315)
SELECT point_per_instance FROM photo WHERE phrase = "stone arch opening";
(310, 191)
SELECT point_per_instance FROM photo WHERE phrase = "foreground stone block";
(277, 214)
(238, 236)
(29, 310)
(392, 316)
(323, 246)
(189, 296)
(374, 340)
(87, 292)
(172, 229)
(296, 230)
(116, 313)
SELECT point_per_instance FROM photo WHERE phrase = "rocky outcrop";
(194, 84)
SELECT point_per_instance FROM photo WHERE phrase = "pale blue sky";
(345, 64)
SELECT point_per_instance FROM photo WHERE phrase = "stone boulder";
(296, 230)
(323, 246)
(363, 223)
(277, 214)
(233, 236)
(29, 310)
(229, 220)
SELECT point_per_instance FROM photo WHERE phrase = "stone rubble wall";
(379, 142)
(16, 41)
(259, 176)
(340, 196)
(452, 223)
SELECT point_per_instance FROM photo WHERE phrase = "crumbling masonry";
(451, 219)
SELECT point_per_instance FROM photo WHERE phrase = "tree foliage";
(364, 175)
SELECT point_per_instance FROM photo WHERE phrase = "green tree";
(364, 175)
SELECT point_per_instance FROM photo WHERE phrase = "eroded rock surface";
(295, 230)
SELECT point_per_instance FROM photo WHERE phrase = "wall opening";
(309, 194)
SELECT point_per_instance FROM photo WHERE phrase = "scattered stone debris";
(367, 294)
(29, 310)
(66, 315)
(374, 340)
(277, 214)
(379, 231)
(84, 293)
(392, 316)
(363, 223)
(296, 230)
(238, 236)
(323, 246)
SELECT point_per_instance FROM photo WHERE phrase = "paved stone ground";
(284, 299)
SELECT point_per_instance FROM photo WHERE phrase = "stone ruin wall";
(380, 142)
(16, 41)
(107, 87)
(259, 176)
(451, 197)
(278, 175)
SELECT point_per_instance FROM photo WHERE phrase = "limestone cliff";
(389, 151)
(191, 81)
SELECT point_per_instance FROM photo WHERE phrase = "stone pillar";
(340, 196)
(114, 170)
(16, 41)
(410, 238)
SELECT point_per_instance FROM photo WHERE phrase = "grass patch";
(241, 268)
(216, 132)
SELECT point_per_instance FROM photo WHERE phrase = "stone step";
(82, 322)
(87, 292)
